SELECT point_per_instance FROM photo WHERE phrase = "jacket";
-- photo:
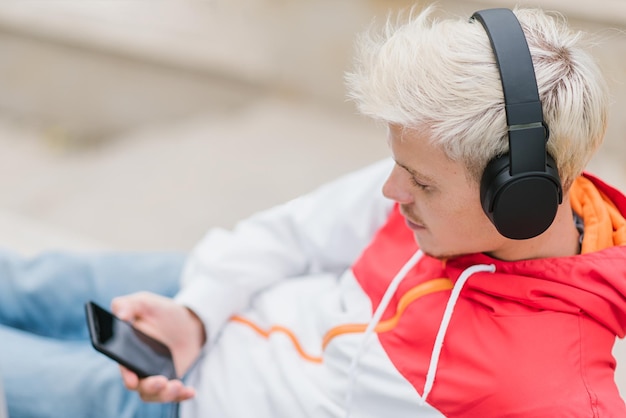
(325, 307)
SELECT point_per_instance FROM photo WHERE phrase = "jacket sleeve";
(323, 231)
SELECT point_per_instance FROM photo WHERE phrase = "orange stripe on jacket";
(423, 289)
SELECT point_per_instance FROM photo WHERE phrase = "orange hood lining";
(605, 226)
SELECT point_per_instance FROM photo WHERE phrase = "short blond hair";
(441, 75)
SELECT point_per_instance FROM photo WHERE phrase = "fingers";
(131, 306)
(157, 388)
(131, 381)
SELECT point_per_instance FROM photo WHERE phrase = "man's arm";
(323, 231)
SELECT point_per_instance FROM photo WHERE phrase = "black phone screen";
(127, 345)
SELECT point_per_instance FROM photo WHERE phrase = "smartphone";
(128, 346)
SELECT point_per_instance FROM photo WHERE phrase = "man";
(429, 299)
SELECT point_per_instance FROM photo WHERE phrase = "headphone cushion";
(520, 206)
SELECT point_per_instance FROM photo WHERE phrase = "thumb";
(129, 307)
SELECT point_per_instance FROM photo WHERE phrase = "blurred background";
(132, 124)
(137, 125)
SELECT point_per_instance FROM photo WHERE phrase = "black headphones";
(519, 191)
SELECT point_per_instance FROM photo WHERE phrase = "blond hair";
(441, 75)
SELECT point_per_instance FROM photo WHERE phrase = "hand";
(176, 326)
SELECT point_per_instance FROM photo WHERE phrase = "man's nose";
(397, 186)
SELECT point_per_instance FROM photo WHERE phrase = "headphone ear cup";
(520, 206)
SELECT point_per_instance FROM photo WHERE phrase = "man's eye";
(418, 184)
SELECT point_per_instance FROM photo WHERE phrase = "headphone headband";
(523, 106)
(521, 191)
(528, 132)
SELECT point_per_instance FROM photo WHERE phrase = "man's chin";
(437, 253)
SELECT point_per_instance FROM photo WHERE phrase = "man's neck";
(560, 240)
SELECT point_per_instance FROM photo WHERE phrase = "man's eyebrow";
(415, 173)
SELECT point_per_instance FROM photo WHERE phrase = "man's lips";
(413, 225)
(410, 222)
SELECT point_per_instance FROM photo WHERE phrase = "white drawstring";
(443, 327)
(382, 306)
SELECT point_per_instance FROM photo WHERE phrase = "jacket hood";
(592, 283)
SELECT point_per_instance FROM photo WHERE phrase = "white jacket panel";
(249, 375)
(323, 231)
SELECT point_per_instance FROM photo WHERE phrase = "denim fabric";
(3, 405)
(47, 364)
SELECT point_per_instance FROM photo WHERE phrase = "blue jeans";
(47, 364)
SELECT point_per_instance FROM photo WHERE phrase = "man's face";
(440, 203)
